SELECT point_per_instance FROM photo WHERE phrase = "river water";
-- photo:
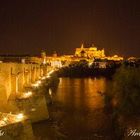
(77, 112)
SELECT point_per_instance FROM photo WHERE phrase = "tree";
(124, 91)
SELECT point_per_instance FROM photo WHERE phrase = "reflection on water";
(81, 93)
(77, 111)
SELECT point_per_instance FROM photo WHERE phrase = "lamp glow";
(43, 78)
(50, 92)
(48, 76)
(27, 94)
(49, 73)
(39, 82)
(20, 116)
(5, 119)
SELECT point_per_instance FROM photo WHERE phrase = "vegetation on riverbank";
(124, 92)
(122, 99)
(83, 69)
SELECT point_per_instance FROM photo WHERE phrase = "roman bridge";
(15, 76)
(14, 79)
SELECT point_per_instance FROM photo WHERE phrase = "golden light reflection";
(8, 118)
(88, 92)
(96, 89)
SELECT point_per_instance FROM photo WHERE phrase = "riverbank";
(122, 102)
(83, 69)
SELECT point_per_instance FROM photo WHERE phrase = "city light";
(37, 84)
(5, 119)
(43, 78)
(49, 73)
(8, 118)
(27, 94)
(20, 116)
(33, 109)
(48, 76)
(90, 64)
(50, 92)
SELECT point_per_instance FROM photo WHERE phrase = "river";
(76, 112)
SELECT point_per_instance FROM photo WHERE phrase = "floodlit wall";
(14, 76)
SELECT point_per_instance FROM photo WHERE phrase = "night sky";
(29, 26)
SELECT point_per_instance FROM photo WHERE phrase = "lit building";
(90, 52)
(115, 58)
(43, 56)
(82, 53)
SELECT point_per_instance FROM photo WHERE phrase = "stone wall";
(14, 77)
(35, 108)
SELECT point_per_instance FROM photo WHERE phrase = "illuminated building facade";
(43, 56)
(90, 52)
(82, 53)
(93, 52)
(115, 58)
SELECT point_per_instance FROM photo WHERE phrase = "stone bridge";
(14, 78)
(23, 98)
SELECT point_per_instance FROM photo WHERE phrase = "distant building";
(43, 56)
(115, 58)
(132, 59)
(90, 52)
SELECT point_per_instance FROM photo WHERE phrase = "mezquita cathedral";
(81, 53)
(93, 52)
(90, 52)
